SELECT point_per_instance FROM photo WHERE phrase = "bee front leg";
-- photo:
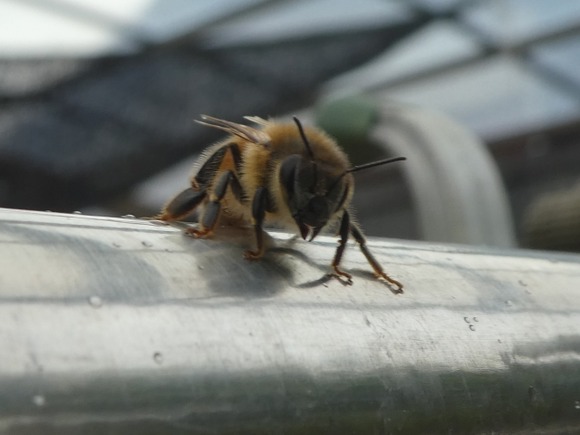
(378, 270)
(343, 232)
(212, 210)
(259, 205)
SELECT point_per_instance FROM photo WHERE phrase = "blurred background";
(483, 97)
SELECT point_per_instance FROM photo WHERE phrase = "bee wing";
(257, 120)
(243, 131)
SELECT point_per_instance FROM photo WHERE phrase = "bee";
(275, 173)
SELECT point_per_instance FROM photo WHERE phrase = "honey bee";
(276, 173)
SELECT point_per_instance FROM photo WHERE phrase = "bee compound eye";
(287, 174)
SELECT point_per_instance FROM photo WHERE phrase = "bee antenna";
(366, 166)
(308, 148)
(373, 164)
(303, 136)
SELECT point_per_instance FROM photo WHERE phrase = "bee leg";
(259, 206)
(188, 200)
(378, 270)
(212, 210)
(182, 205)
(208, 170)
(343, 232)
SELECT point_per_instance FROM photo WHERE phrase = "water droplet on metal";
(128, 216)
(39, 400)
(522, 283)
(116, 245)
(77, 212)
(147, 244)
(577, 404)
(325, 284)
(158, 357)
(472, 327)
(475, 319)
(466, 319)
(95, 301)
(200, 267)
(509, 303)
(499, 340)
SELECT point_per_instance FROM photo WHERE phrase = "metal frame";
(122, 326)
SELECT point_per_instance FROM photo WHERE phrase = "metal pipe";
(121, 326)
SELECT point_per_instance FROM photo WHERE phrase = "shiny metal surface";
(122, 326)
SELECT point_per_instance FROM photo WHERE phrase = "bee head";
(313, 190)
(313, 195)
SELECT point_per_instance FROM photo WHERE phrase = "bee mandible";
(276, 173)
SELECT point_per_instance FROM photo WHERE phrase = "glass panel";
(436, 45)
(562, 56)
(438, 5)
(513, 21)
(166, 19)
(95, 27)
(496, 97)
(27, 30)
(307, 17)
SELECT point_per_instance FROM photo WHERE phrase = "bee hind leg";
(187, 201)
(378, 270)
(211, 214)
(182, 205)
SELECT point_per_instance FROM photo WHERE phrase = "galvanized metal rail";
(123, 326)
